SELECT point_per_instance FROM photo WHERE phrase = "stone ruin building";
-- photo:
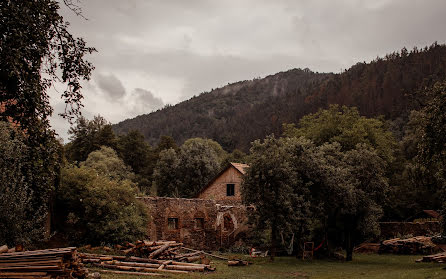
(215, 219)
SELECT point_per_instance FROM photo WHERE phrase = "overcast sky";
(157, 52)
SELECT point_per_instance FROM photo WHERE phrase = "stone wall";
(198, 223)
(398, 229)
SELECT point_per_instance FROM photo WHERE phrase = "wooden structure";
(308, 250)
(226, 185)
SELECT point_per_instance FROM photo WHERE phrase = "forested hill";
(241, 112)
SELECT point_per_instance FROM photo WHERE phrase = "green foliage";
(277, 189)
(236, 156)
(346, 126)
(185, 172)
(88, 136)
(166, 142)
(433, 141)
(140, 156)
(106, 162)
(136, 152)
(167, 175)
(298, 187)
(20, 221)
(37, 50)
(98, 209)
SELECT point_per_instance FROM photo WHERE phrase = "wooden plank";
(130, 272)
(215, 256)
(131, 268)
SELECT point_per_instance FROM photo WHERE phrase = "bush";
(98, 210)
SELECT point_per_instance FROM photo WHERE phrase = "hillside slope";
(241, 112)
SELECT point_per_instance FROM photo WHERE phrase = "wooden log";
(23, 273)
(193, 259)
(148, 265)
(19, 248)
(159, 251)
(143, 269)
(128, 251)
(212, 255)
(163, 265)
(237, 263)
(130, 273)
(4, 249)
(185, 267)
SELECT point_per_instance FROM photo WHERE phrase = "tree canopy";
(88, 136)
(307, 190)
(185, 172)
(36, 50)
(347, 127)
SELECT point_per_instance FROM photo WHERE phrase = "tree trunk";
(273, 241)
(349, 245)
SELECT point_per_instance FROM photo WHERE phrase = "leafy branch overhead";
(37, 50)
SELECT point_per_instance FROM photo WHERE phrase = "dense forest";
(241, 112)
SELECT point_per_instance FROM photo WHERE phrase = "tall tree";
(140, 156)
(36, 51)
(276, 188)
(88, 136)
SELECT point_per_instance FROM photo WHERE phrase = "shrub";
(98, 210)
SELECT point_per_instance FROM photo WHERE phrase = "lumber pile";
(154, 249)
(49, 263)
(410, 246)
(436, 258)
(150, 258)
(150, 266)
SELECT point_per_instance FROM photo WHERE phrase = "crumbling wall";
(398, 229)
(201, 224)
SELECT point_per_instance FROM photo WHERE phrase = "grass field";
(363, 266)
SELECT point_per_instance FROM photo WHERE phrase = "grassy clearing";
(363, 266)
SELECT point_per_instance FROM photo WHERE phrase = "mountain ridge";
(238, 113)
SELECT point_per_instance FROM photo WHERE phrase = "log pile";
(142, 265)
(410, 246)
(150, 258)
(50, 263)
(155, 249)
(436, 258)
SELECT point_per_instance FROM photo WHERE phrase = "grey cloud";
(110, 85)
(145, 101)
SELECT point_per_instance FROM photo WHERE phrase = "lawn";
(363, 266)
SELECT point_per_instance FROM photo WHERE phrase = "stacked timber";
(409, 246)
(155, 249)
(142, 266)
(50, 263)
(436, 258)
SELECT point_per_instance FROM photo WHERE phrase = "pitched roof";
(238, 166)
